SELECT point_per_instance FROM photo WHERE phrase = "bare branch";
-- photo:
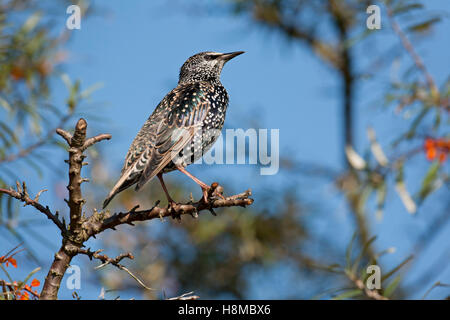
(186, 296)
(91, 141)
(115, 262)
(104, 258)
(66, 135)
(96, 224)
(75, 237)
(22, 195)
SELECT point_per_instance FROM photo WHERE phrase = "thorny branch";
(104, 258)
(101, 221)
(81, 228)
(115, 262)
(22, 195)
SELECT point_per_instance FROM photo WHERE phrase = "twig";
(115, 262)
(416, 58)
(89, 142)
(104, 258)
(22, 195)
(185, 296)
(66, 135)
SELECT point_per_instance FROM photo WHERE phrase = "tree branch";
(410, 49)
(186, 296)
(104, 258)
(76, 158)
(91, 141)
(74, 240)
(22, 195)
(100, 221)
(115, 262)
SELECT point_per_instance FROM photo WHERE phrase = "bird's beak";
(230, 55)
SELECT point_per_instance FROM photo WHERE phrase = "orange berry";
(12, 261)
(35, 283)
(429, 143)
(431, 154)
(24, 296)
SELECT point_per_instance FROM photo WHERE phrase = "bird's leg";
(202, 185)
(163, 185)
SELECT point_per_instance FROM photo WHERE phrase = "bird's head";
(205, 66)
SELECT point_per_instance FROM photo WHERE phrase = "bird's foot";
(213, 191)
(173, 207)
(218, 191)
(205, 192)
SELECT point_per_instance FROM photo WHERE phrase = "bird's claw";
(211, 191)
(172, 205)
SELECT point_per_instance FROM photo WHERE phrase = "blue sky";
(136, 52)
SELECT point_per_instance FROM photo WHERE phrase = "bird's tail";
(108, 199)
(119, 187)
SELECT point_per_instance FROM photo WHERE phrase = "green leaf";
(32, 22)
(348, 294)
(24, 282)
(424, 26)
(66, 80)
(361, 254)
(392, 286)
(348, 253)
(427, 183)
(87, 92)
(381, 199)
(406, 8)
(390, 273)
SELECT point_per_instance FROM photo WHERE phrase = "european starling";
(182, 128)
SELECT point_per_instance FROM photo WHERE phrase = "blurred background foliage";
(242, 252)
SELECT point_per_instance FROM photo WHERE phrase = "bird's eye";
(209, 57)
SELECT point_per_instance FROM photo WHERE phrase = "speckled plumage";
(183, 126)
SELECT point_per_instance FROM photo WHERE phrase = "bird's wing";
(189, 108)
(167, 131)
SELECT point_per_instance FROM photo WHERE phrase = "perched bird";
(182, 128)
